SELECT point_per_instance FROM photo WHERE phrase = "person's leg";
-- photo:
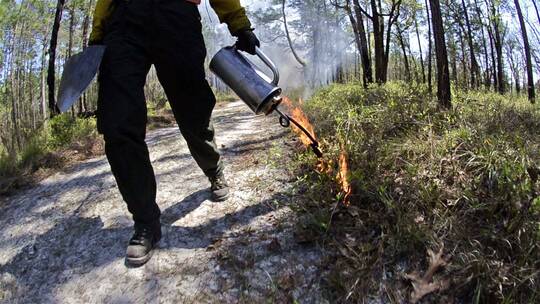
(179, 61)
(122, 117)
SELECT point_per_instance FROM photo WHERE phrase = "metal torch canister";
(254, 87)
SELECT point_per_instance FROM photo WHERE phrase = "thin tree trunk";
(474, 64)
(70, 42)
(493, 59)
(85, 26)
(43, 94)
(295, 54)
(420, 49)
(463, 56)
(430, 50)
(13, 92)
(487, 78)
(497, 39)
(52, 57)
(536, 10)
(405, 58)
(443, 77)
(530, 77)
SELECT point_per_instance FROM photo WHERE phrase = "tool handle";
(270, 64)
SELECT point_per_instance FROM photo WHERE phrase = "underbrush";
(226, 96)
(48, 148)
(465, 181)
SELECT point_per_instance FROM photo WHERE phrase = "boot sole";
(142, 260)
(217, 199)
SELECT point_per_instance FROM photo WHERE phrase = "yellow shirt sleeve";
(102, 12)
(232, 13)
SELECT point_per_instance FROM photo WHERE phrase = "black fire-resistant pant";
(167, 34)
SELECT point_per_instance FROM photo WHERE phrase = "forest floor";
(64, 239)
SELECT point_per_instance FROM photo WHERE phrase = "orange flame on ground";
(343, 178)
(299, 115)
(323, 166)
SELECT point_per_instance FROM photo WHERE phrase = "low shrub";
(59, 133)
(63, 130)
(466, 179)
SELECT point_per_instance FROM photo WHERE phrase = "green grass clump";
(59, 133)
(466, 178)
(63, 130)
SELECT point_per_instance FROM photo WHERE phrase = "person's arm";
(102, 12)
(233, 14)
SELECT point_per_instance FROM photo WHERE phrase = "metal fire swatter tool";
(79, 71)
(254, 87)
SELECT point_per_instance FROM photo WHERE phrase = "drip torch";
(260, 93)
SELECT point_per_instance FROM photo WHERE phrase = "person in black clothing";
(168, 35)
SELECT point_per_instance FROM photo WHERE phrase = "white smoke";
(319, 39)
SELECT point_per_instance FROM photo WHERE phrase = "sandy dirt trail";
(63, 241)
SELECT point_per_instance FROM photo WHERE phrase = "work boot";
(219, 188)
(139, 249)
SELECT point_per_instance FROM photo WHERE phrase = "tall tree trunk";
(430, 50)
(392, 18)
(497, 39)
(464, 64)
(475, 70)
(404, 50)
(70, 41)
(52, 57)
(493, 59)
(364, 49)
(15, 115)
(85, 26)
(420, 49)
(530, 77)
(43, 93)
(378, 32)
(11, 86)
(474, 64)
(487, 76)
(357, 40)
(443, 77)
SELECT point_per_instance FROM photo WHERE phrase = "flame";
(343, 177)
(324, 166)
(301, 118)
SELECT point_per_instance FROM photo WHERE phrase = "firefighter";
(168, 35)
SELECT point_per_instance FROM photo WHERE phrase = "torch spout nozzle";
(285, 121)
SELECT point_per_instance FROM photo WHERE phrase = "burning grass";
(417, 180)
(324, 165)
